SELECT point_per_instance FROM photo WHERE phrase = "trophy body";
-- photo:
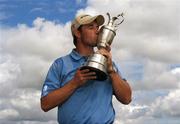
(97, 62)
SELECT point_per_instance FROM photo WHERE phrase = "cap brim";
(99, 19)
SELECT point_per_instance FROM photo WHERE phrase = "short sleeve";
(53, 78)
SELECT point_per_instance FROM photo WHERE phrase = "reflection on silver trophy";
(97, 62)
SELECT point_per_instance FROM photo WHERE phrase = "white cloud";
(156, 75)
(42, 39)
(26, 54)
(176, 71)
(34, 48)
(8, 113)
(167, 106)
(23, 105)
(36, 9)
(8, 75)
(161, 109)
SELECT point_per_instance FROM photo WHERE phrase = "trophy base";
(97, 63)
(101, 76)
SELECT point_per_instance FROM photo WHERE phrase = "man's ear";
(77, 33)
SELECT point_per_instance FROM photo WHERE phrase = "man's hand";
(81, 76)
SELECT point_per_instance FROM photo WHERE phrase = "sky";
(146, 47)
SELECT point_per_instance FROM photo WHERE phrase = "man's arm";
(121, 88)
(59, 96)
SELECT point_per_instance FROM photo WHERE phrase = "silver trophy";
(97, 62)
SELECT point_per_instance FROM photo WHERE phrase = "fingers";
(82, 76)
(84, 71)
(86, 74)
(108, 48)
(105, 53)
(89, 74)
(90, 78)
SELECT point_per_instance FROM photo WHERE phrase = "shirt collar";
(75, 55)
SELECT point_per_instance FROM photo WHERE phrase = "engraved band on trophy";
(97, 62)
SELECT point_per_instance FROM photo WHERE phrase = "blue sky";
(25, 11)
(33, 33)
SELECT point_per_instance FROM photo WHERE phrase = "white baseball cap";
(85, 19)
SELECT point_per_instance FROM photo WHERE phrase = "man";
(80, 98)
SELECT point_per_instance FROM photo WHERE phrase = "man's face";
(89, 34)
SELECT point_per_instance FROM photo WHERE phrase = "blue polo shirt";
(90, 103)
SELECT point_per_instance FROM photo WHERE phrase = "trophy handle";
(109, 18)
(118, 16)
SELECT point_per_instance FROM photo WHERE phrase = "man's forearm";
(58, 96)
(121, 88)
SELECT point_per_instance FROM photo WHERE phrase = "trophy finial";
(113, 19)
(118, 16)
